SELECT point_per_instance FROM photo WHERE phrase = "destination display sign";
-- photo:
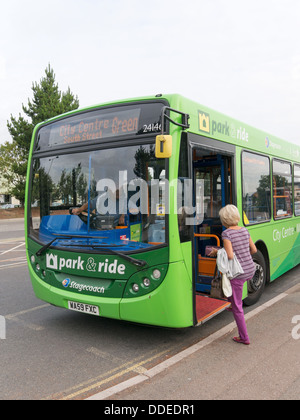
(100, 124)
(92, 127)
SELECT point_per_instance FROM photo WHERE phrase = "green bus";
(122, 203)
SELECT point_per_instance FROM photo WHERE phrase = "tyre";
(257, 284)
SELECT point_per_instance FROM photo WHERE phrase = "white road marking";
(13, 262)
(12, 249)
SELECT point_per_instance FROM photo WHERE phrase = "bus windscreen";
(100, 195)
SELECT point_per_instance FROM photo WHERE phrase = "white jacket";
(232, 268)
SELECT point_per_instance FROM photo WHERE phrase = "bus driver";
(96, 206)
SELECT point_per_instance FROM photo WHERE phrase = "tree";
(48, 101)
(12, 158)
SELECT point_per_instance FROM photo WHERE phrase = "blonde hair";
(229, 215)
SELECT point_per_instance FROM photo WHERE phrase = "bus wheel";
(257, 284)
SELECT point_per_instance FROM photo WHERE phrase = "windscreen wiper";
(138, 263)
(61, 236)
(45, 247)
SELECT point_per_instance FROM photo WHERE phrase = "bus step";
(207, 307)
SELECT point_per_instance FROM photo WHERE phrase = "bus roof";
(210, 123)
(213, 124)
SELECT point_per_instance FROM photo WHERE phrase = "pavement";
(217, 368)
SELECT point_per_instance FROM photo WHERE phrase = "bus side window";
(297, 189)
(282, 189)
(256, 188)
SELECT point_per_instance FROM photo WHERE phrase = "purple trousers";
(237, 307)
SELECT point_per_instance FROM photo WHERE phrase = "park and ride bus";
(123, 200)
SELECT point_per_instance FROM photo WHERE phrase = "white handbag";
(226, 286)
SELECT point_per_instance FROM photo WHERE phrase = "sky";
(241, 58)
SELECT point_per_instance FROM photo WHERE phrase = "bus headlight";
(156, 274)
(146, 282)
(135, 287)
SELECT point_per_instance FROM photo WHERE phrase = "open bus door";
(214, 172)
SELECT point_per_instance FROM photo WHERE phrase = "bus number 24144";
(152, 128)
